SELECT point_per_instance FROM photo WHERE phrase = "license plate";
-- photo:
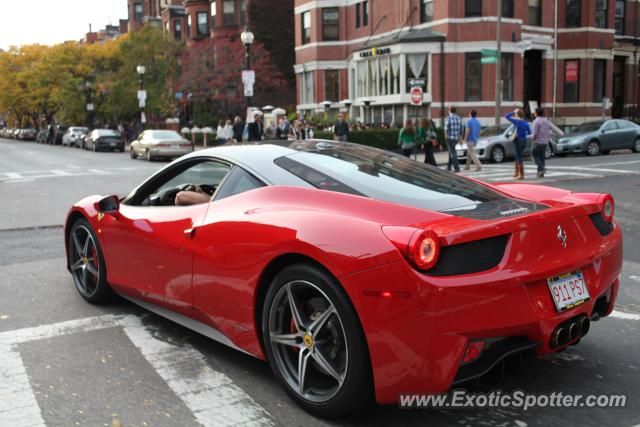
(568, 290)
(460, 153)
(113, 144)
(175, 147)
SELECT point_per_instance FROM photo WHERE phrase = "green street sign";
(489, 52)
(489, 60)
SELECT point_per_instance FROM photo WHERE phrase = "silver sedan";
(152, 144)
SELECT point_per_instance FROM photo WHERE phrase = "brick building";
(368, 51)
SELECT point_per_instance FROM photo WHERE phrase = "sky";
(50, 22)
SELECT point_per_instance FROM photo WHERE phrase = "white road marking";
(615, 163)
(13, 175)
(60, 172)
(212, 396)
(18, 405)
(635, 278)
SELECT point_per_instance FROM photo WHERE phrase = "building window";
(601, 13)
(472, 8)
(599, 79)
(214, 13)
(426, 11)
(229, 12)
(507, 8)
(306, 27)
(473, 77)
(571, 80)
(365, 13)
(243, 12)
(177, 29)
(621, 6)
(332, 85)
(573, 13)
(137, 12)
(506, 73)
(330, 24)
(535, 12)
(203, 24)
(358, 15)
(188, 25)
(306, 88)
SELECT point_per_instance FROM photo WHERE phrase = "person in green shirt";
(428, 137)
(407, 138)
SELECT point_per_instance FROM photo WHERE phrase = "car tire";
(148, 156)
(132, 153)
(636, 146)
(497, 154)
(87, 264)
(548, 153)
(593, 148)
(341, 359)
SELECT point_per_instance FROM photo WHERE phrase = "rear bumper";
(417, 342)
(110, 146)
(169, 152)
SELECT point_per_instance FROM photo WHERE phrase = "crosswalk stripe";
(18, 406)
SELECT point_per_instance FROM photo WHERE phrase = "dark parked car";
(104, 139)
(27, 134)
(60, 131)
(41, 138)
(598, 137)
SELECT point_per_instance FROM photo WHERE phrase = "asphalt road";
(64, 362)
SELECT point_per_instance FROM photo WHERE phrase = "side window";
(612, 125)
(205, 176)
(239, 181)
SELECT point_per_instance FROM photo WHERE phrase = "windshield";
(588, 127)
(493, 130)
(79, 130)
(108, 132)
(383, 175)
(165, 134)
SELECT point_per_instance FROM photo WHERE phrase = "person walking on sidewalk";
(471, 137)
(407, 138)
(522, 130)
(428, 137)
(541, 138)
(453, 133)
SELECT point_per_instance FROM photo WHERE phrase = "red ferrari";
(355, 272)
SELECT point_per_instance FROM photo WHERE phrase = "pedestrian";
(270, 131)
(306, 132)
(407, 138)
(341, 129)
(228, 131)
(541, 137)
(256, 129)
(294, 131)
(221, 133)
(238, 129)
(521, 131)
(453, 133)
(472, 134)
(282, 132)
(428, 137)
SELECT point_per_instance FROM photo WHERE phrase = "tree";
(212, 75)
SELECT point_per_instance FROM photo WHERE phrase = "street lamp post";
(90, 107)
(247, 39)
(142, 94)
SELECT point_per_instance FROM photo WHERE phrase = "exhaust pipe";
(559, 337)
(574, 330)
(585, 324)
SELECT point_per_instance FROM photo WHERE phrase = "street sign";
(606, 103)
(142, 94)
(142, 103)
(416, 96)
(143, 117)
(489, 52)
(249, 77)
(248, 89)
(488, 59)
(417, 82)
(89, 107)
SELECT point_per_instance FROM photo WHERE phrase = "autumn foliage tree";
(212, 75)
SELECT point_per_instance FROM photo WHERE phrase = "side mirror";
(108, 205)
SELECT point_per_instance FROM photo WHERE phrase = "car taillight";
(163, 145)
(420, 247)
(424, 249)
(608, 208)
(473, 351)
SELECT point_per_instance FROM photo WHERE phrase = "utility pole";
(498, 64)
(555, 59)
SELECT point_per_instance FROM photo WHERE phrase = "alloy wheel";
(85, 265)
(636, 146)
(497, 154)
(593, 149)
(308, 341)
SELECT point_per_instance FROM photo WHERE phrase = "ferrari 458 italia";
(358, 274)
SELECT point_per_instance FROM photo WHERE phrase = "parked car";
(354, 272)
(60, 130)
(104, 139)
(5, 133)
(14, 133)
(152, 144)
(27, 134)
(82, 141)
(41, 138)
(72, 135)
(495, 145)
(598, 137)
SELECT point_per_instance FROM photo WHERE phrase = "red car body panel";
(417, 337)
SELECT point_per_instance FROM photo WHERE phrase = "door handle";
(190, 233)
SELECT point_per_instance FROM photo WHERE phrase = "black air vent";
(601, 224)
(470, 257)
